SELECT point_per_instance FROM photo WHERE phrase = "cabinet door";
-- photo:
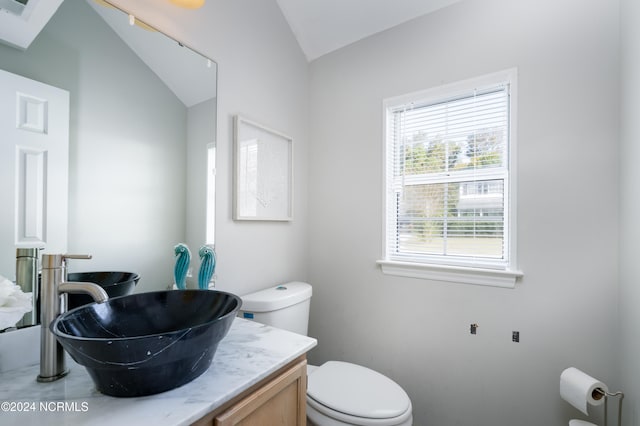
(280, 402)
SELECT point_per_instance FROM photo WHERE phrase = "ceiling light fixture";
(188, 4)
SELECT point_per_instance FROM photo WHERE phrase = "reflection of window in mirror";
(211, 192)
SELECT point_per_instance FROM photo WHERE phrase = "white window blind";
(448, 178)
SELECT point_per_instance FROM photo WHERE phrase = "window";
(449, 179)
(211, 194)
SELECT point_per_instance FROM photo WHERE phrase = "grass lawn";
(467, 246)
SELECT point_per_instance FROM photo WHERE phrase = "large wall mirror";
(142, 134)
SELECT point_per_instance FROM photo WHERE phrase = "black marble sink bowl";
(115, 283)
(146, 343)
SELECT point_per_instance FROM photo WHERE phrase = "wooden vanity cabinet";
(278, 400)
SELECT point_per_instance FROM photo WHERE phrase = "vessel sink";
(146, 343)
(115, 283)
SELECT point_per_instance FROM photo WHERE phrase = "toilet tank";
(284, 306)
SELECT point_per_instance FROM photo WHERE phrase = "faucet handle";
(54, 261)
(76, 256)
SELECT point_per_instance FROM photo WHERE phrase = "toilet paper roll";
(579, 389)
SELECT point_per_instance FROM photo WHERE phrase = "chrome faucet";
(53, 302)
(27, 279)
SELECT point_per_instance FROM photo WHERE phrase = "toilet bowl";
(338, 393)
(341, 393)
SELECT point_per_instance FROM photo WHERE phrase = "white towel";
(14, 303)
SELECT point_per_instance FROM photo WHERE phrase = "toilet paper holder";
(599, 393)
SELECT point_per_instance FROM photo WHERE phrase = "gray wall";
(630, 209)
(565, 307)
(262, 75)
(127, 159)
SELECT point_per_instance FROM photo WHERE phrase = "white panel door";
(34, 168)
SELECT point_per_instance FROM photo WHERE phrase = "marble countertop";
(248, 354)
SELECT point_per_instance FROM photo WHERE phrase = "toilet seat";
(356, 395)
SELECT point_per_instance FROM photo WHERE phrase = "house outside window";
(449, 190)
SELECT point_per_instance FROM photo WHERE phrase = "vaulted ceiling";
(322, 26)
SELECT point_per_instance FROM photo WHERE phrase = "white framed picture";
(263, 187)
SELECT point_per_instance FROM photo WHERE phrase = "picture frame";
(263, 172)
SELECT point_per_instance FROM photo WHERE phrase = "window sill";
(457, 274)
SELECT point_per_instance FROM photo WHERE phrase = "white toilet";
(338, 393)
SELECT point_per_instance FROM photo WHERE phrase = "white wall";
(630, 209)
(262, 74)
(565, 307)
(127, 160)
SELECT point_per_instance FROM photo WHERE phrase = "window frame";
(489, 273)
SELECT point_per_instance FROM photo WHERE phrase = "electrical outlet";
(474, 328)
(515, 336)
